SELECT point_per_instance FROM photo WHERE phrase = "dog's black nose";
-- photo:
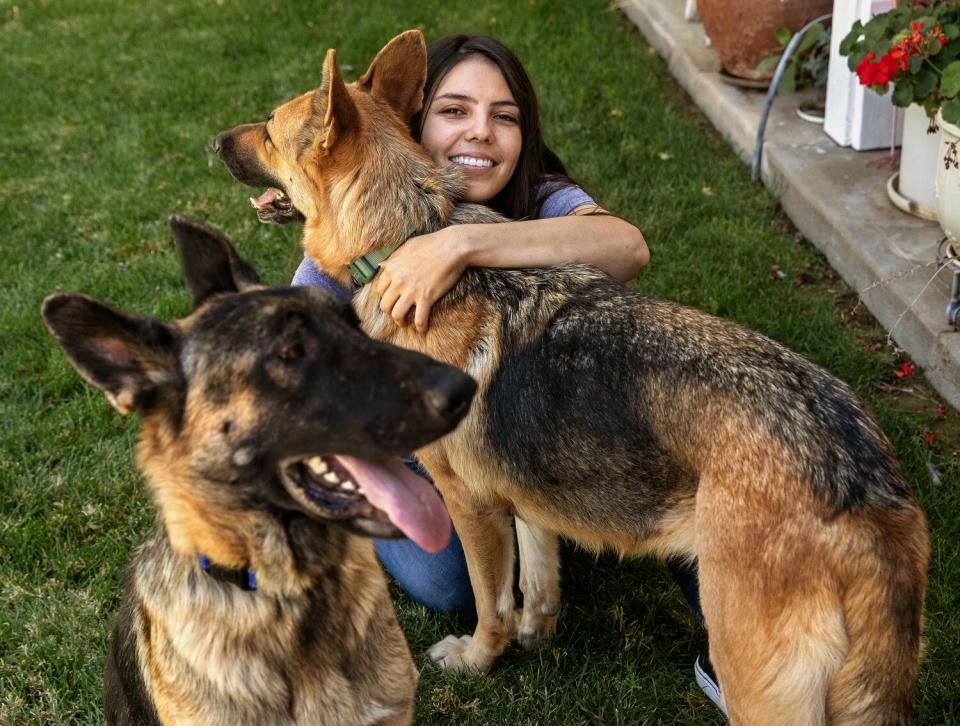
(449, 393)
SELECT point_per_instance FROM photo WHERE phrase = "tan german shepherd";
(270, 427)
(621, 422)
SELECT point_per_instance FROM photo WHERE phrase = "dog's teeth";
(281, 195)
(348, 486)
(331, 478)
(317, 465)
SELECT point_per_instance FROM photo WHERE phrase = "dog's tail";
(883, 610)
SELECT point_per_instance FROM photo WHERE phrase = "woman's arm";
(421, 271)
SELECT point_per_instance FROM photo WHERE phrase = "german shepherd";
(620, 422)
(268, 421)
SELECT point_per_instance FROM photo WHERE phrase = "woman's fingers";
(401, 309)
(421, 318)
(388, 299)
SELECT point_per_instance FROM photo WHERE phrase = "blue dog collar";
(243, 578)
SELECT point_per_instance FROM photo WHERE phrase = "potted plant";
(913, 51)
(948, 183)
(806, 68)
(743, 31)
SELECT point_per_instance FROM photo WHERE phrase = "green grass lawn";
(106, 116)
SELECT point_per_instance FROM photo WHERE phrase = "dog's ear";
(398, 73)
(134, 360)
(210, 263)
(333, 109)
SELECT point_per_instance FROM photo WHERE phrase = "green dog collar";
(363, 269)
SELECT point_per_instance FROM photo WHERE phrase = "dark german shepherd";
(270, 427)
(622, 422)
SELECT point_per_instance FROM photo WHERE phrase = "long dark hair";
(524, 193)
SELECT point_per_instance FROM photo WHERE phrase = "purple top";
(561, 200)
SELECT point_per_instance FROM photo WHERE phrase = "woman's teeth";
(471, 161)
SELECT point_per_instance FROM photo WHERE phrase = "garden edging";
(835, 196)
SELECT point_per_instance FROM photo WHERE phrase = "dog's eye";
(292, 352)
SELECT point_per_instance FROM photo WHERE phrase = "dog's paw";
(535, 626)
(458, 655)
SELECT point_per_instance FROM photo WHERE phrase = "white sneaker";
(707, 680)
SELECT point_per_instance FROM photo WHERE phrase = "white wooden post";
(856, 116)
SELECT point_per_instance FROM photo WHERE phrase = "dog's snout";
(220, 141)
(449, 393)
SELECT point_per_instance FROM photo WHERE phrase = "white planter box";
(856, 116)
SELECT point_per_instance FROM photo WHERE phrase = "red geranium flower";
(915, 28)
(906, 369)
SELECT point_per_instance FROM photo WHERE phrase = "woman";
(480, 113)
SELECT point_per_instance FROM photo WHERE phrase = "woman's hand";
(423, 269)
(419, 273)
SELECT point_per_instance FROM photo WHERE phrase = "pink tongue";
(264, 199)
(408, 500)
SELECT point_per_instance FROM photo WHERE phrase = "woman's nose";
(480, 129)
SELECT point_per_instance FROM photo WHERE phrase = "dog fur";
(233, 400)
(622, 422)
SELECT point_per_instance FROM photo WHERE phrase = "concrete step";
(835, 196)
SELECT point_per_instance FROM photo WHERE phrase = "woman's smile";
(473, 163)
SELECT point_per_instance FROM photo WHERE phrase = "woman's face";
(473, 122)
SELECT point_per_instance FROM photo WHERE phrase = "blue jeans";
(441, 582)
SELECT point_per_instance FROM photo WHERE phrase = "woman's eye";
(506, 117)
(452, 111)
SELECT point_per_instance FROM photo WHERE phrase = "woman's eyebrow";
(471, 99)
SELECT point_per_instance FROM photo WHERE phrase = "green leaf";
(924, 83)
(950, 80)
(900, 35)
(951, 111)
(783, 36)
(903, 93)
(809, 38)
(876, 29)
(914, 64)
(854, 60)
(768, 64)
(851, 38)
(951, 31)
(788, 83)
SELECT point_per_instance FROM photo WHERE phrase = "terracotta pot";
(742, 31)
